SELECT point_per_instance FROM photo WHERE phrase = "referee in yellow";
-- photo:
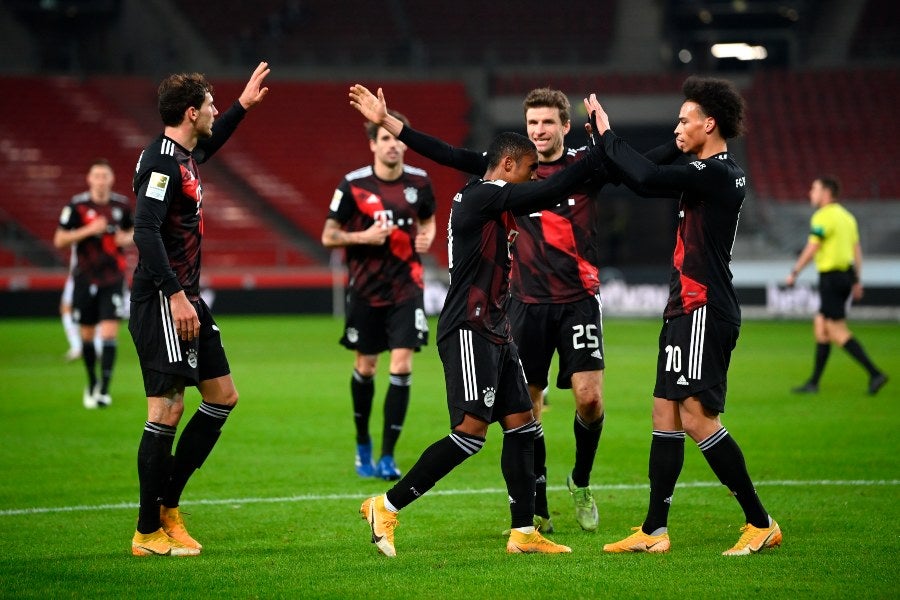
(834, 242)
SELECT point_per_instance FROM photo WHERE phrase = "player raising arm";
(702, 318)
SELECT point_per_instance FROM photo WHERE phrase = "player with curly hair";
(702, 317)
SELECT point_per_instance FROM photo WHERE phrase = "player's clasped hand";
(184, 316)
(377, 233)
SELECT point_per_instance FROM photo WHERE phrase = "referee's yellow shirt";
(834, 229)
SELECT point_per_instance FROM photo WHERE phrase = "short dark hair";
(99, 162)
(511, 144)
(179, 92)
(719, 99)
(541, 97)
(372, 128)
(830, 183)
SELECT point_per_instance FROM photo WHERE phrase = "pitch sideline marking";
(459, 492)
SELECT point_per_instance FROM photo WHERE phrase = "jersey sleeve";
(342, 206)
(69, 218)
(127, 221)
(427, 202)
(155, 190)
(643, 173)
(223, 127)
(818, 228)
(443, 153)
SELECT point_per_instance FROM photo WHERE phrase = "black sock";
(517, 464)
(396, 401)
(438, 459)
(822, 352)
(107, 361)
(855, 350)
(194, 445)
(362, 390)
(154, 461)
(727, 462)
(540, 473)
(587, 437)
(89, 355)
(666, 460)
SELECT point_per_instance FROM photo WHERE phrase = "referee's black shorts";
(483, 379)
(834, 292)
(167, 360)
(694, 354)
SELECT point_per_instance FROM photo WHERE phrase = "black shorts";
(374, 329)
(92, 304)
(574, 329)
(483, 379)
(167, 360)
(834, 292)
(694, 354)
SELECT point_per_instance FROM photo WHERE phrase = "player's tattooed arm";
(333, 236)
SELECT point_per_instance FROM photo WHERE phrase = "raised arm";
(225, 124)
(374, 108)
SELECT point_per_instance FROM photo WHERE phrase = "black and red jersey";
(168, 220)
(97, 259)
(391, 273)
(712, 191)
(481, 233)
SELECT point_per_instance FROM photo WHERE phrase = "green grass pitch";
(276, 503)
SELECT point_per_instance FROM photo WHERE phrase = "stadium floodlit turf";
(276, 504)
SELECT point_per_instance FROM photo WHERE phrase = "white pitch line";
(460, 492)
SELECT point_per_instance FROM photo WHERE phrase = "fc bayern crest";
(352, 335)
(412, 194)
(192, 358)
(488, 397)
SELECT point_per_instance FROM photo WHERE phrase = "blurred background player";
(702, 316)
(98, 223)
(554, 283)
(383, 215)
(834, 243)
(483, 374)
(177, 339)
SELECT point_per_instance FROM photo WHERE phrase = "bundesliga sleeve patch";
(336, 200)
(156, 188)
(65, 215)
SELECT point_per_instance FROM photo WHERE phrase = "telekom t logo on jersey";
(384, 217)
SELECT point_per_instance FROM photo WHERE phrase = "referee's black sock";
(154, 460)
(855, 350)
(587, 438)
(107, 362)
(396, 401)
(436, 461)
(517, 464)
(540, 472)
(362, 390)
(822, 352)
(89, 355)
(727, 461)
(194, 445)
(666, 460)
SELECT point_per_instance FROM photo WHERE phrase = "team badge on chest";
(411, 194)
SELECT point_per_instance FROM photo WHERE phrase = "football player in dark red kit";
(383, 215)
(702, 318)
(99, 224)
(177, 340)
(484, 377)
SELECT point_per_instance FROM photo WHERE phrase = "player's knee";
(589, 402)
(229, 399)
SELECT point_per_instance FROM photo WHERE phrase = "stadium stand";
(804, 124)
(61, 126)
(876, 32)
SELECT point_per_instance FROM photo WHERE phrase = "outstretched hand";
(253, 94)
(592, 105)
(373, 108)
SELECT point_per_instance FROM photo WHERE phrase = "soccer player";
(554, 283)
(98, 224)
(483, 374)
(383, 214)
(834, 243)
(702, 317)
(177, 340)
